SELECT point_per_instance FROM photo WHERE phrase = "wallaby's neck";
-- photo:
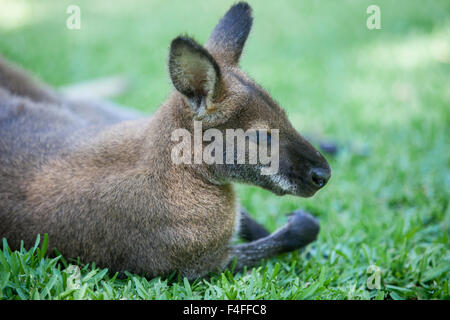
(155, 147)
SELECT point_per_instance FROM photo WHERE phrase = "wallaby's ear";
(228, 38)
(194, 72)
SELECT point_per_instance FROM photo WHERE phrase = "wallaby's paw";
(302, 228)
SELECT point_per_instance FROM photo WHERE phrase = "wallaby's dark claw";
(251, 230)
(302, 228)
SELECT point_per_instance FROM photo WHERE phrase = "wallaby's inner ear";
(228, 38)
(194, 72)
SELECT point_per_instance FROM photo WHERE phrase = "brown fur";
(107, 191)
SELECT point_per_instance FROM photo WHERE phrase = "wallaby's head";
(215, 91)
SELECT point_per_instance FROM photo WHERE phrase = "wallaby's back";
(39, 127)
(36, 123)
(36, 126)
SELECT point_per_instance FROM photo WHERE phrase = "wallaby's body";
(105, 189)
(102, 194)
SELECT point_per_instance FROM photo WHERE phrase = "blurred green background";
(383, 93)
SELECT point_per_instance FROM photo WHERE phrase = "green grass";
(386, 91)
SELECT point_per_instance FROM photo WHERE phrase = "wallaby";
(105, 189)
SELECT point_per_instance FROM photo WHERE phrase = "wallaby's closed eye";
(106, 190)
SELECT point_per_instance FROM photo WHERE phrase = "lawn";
(382, 95)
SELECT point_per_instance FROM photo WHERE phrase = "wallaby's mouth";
(298, 191)
(307, 192)
(296, 185)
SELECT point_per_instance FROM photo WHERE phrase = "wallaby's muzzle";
(306, 169)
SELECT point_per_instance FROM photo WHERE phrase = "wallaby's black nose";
(319, 177)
